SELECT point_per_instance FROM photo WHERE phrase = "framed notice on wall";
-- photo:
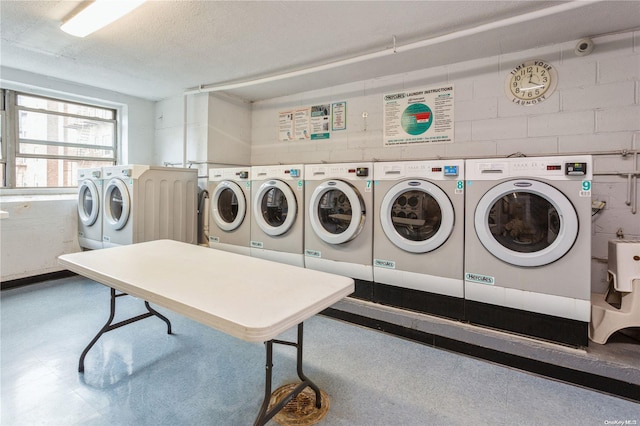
(419, 116)
(339, 116)
(320, 115)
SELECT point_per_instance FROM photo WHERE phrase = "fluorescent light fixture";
(98, 14)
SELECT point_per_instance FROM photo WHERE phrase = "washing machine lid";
(88, 202)
(417, 216)
(336, 212)
(526, 222)
(117, 204)
(275, 207)
(229, 206)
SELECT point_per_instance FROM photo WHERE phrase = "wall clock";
(531, 82)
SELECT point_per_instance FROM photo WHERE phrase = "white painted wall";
(41, 227)
(596, 108)
(218, 131)
(38, 229)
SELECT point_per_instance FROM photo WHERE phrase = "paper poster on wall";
(301, 123)
(320, 121)
(339, 116)
(285, 126)
(419, 116)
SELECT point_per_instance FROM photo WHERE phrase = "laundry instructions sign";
(419, 116)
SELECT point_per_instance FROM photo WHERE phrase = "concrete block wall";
(595, 109)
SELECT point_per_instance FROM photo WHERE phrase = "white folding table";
(252, 299)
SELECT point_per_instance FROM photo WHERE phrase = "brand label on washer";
(480, 279)
(312, 253)
(257, 244)
(389, 264)
(106, 239)
(214, 239)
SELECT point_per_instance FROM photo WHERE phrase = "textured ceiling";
(164, 48)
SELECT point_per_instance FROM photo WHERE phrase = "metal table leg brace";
(264, 416)
(109, 326)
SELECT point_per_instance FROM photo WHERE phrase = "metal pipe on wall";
(184, 132)
(632, 180)
(564, 7)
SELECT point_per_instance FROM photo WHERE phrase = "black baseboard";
(36, 279)
(555, 329)
(581, 378)
(364, 290)
(419, 301)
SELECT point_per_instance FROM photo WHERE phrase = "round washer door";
(336, 212)
(228, 205)
(117, 204)
(88, 202)
(526, 223)
(417, 216)
(275, 207)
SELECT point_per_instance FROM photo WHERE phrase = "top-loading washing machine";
(418, 246)
(145, 203)
(90, 208)
(528, 246)
(277, 225)
(338, 234)
(230, 209)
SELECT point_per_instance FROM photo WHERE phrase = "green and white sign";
(419, 116)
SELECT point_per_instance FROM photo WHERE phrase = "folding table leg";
(109, 326)
(264, 416)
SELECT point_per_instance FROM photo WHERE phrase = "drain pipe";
(632, 181)
(564, 7)
(184, 131)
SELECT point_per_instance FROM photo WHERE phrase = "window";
(54, 138)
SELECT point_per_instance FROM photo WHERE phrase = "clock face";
(531, 82)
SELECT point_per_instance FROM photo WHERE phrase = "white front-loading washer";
(418, 247)
(528, 246)
(230, 209)
(145, 203)
(338, 231)
(277, 222)
(90, 208)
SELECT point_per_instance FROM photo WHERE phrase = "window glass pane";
(67, 130)
(58, 128)
(42, 172)
(65, 107)
(67, 151)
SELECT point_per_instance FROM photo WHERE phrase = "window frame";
(12, 142)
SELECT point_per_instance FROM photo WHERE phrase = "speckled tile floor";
(139, 375)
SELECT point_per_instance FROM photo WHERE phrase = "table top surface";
(249, 298)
